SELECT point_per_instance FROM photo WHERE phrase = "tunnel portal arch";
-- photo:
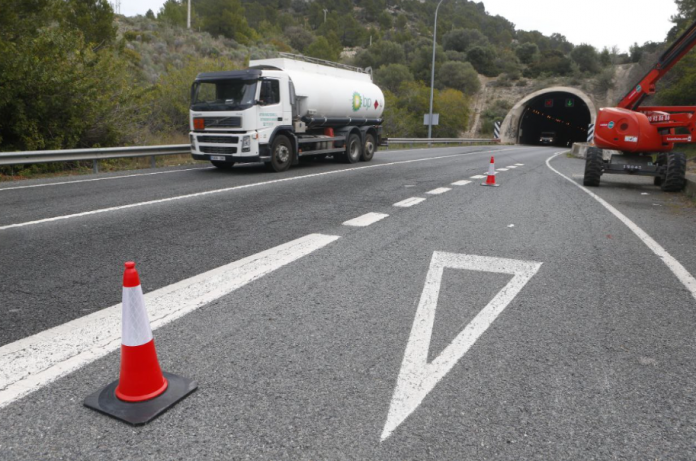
(566, 112)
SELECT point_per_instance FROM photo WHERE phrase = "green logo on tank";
(357, 101)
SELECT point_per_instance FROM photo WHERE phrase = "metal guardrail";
(71, 155)
(438, 141)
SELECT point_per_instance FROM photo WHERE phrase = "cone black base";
(490, 185)
(140, 413)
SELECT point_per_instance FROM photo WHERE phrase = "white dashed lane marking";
(478, 176)
(409, 202)
(501, 169)
(439, 190)
(365, 220)
(31, 363)
(461, 183)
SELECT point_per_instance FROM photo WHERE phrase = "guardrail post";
(153, 164)
(95, 166)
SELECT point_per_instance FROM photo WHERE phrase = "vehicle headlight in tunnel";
(246, 143)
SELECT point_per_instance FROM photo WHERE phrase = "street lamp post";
(432, 75)
(188, 21)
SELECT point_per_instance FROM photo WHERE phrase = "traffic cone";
(143, 391)
(490, 180)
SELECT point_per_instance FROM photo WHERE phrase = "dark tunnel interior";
(555, 119)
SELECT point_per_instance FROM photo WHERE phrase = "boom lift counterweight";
(640, 132)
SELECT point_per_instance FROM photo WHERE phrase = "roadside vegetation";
(74, 75)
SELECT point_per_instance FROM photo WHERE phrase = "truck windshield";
(223, 95)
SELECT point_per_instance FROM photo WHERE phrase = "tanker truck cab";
(234, 114)
(280, 110)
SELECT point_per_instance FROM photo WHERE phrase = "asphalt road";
(519, 322)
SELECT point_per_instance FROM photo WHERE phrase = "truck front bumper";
(227, 148)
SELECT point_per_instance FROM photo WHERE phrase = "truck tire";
(369, 148)
(222, 165)
(281, 154)
(661, 167)
(675, 173)
(353, 149)
(594, 164)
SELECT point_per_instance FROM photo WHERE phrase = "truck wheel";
(675, 173)
(222, 165)
(281, 154)
(370, 147)
(661, 166)
(594, 164)
(353, 149)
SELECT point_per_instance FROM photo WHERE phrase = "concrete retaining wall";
(580, 148)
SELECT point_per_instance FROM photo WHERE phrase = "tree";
(391, 76)
(587, 58)
(460, 76)
(321, 49)
(401, 22)
(463, 39)
(173, 12)
(226, 18)
(686, 14)
(380, 54)
(421, 61)
(527, 52)
(483, 60)
(552, 62)
(150, 14)
(453, 108)
(94, 18)
(385, 21)
(299, 38)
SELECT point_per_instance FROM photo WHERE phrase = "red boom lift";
(640, 132)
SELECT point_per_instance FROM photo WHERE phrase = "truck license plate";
(217, 157)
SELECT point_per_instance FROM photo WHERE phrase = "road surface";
(386, 310)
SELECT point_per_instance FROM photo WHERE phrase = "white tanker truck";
(280, 110)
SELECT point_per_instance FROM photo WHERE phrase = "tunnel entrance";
(554, 119)
(559, 115)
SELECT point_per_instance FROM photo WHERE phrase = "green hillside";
(75, 75)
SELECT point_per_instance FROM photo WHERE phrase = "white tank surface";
(331, 92)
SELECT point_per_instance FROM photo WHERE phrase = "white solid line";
(418, 377)
(439, 190)
(365, 220)
(409, 202)
(501, 169)
(33, 362)
(229, 189)
(478, 176)
(675, 266)
(461, 183)
(78, 181)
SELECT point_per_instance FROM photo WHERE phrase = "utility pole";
(188, 23)
(432, 76)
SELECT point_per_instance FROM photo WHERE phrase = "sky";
(597, 22)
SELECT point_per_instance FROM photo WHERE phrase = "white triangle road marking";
(418, 377)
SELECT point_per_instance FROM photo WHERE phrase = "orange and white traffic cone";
(490, 180)
(143, 391)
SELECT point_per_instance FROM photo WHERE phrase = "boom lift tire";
(369, 148)
(281, 154)
(594, 164)
(222, 165)
(353, 149)
(675, 172)
(661, 162)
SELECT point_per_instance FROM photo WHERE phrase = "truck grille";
(223, 122)
(218, 150)
(219, 139)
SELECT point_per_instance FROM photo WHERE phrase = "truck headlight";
(246, 143)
